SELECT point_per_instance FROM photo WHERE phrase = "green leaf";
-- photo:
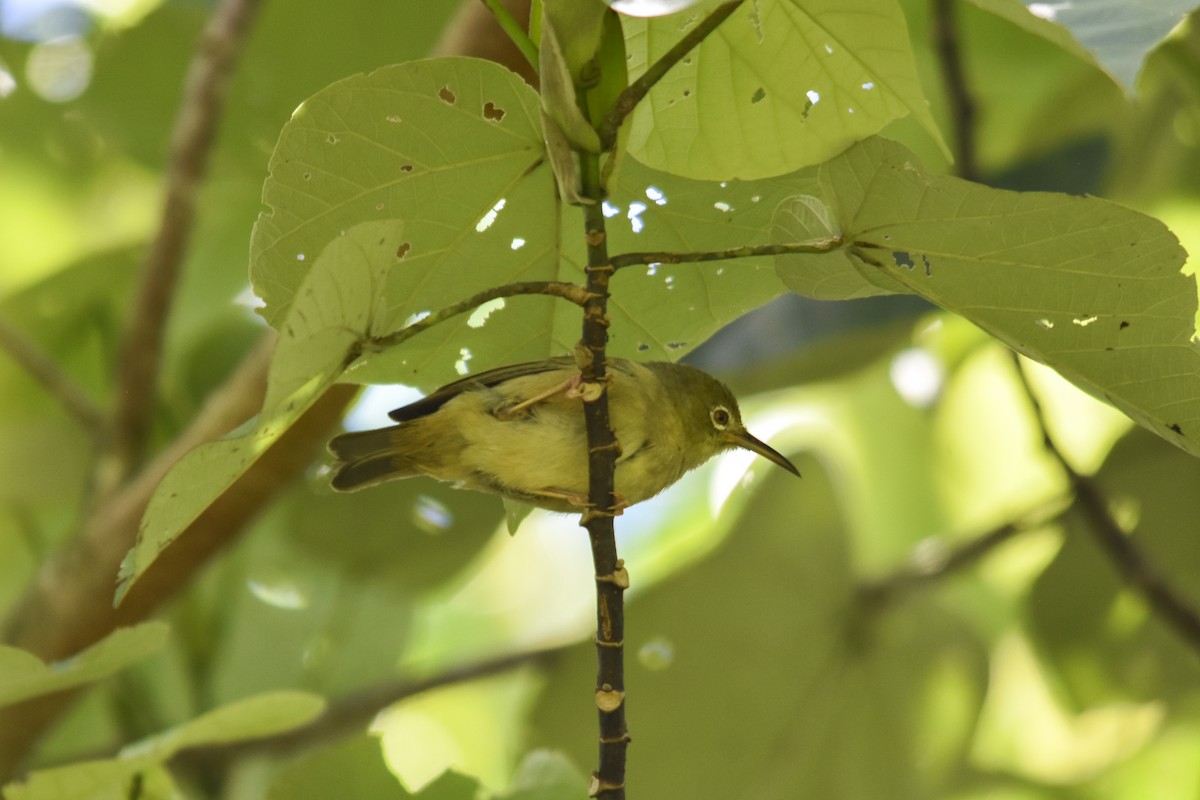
(252, 718)
(1081, 284)
(479, 211)
(23, 675)
(1118, 32)
(451, 786)
(352, 770)
(781, 84)
(546, 775)
(1015, 11)
(663, 311)
(514, 514)
(335, 306)
(102, 779)
(364, 148)
(477, 201)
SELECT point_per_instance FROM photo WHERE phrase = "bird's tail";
(367, 458)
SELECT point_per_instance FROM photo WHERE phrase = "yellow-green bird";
(518, 431)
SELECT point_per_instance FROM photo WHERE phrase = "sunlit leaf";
(1088, 287)
(476, 198)
(23, 675)
(780, 85)
(352, 770)
(139, 764)
(546, 775)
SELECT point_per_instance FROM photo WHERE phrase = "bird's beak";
(745, 440)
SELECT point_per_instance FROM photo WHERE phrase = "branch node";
(591, 513)
(596, 786)
(608, 699)
(619, 577)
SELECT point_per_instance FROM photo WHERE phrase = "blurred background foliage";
(773, 651)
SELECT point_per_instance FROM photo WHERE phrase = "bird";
(518, 431)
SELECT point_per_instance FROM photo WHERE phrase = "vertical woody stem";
(608, 782)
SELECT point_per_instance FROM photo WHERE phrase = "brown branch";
(958, 94)
(53, 380)
(1130, 562)
(351, 714)
(190, 150)
(608, 782)
(747, 251)
(634, 93)
(925, 568)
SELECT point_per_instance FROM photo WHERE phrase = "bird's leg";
(581, 501)
(572, 387)
(568, 386)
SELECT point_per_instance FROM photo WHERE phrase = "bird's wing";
(439, 397)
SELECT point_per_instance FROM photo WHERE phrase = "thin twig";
(515, 31)
(929, 565)
(748, 251)
(608, 782)
(958, 94)
(350, 715)
(52, 379)
(1132, 564)
(634, 93)
(191, 147)
(568, 291)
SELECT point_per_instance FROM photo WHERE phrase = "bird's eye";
(720, 417)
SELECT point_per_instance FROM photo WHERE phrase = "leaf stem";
(515, 31)
(1130, 562)
(923, 568)
(51, 377)
(958, 94)
(568, 291)
(627, 101)
(747, 251)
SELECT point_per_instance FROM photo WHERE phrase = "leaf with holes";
(780, 85)
(451, 146)
(1081, 284)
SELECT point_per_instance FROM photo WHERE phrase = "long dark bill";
(745, 440)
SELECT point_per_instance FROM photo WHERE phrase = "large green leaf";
(335, 308)
(479, 211)
(23, 675)
(780, 85)
(1088, 287)
(438, 143)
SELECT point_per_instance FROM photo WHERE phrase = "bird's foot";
(568, 386)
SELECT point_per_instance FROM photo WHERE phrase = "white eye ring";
(720, 417)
